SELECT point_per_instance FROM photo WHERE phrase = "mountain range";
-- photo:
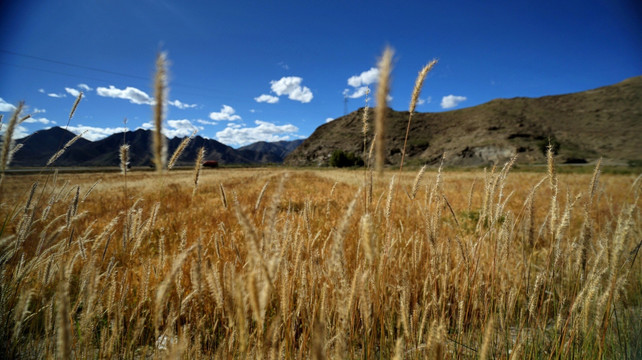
(38, 148)
(582, 127)
(601, 123)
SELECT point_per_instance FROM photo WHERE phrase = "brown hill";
(604, 122)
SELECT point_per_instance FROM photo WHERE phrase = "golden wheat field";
(287, 263)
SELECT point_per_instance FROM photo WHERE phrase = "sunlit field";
(286, 263)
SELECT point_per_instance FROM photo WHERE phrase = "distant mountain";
(41, 145)
(269, 152)
(604, 122)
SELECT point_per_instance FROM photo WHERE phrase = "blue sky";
(244, 71)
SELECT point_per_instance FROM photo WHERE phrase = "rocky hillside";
(604, 122)
(269, 152)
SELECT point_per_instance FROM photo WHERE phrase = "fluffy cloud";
(173, 128)
(267, 98)
(5, 106)
(451, 101)
(206, 122)
(134, 95)
(85, 87)
(95, 133)
(33, 120)
(427, 100)
(18, 133)
(73, 92)
(263, 131)
(54, 95)
(291, 86)
(360, 83)
(357, 93)
(365, 78)
(328, 120)
(226, 113)
(180, 128)
(181, 105)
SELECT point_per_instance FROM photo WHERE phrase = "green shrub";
(342, 158)
(543, 145)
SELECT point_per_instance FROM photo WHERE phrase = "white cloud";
(95, 133)
(18, 132)
(33, 120)
(5, 106)
(180, 128)
(54, 95)
(181, 105)
(173, 128)
(38, 111)
(226, 113)
(206, 122)
(284, 65)
(291, 86)
(134, 95)
(73, 92)
(85, 87)
(264, 131)
(451, 101)
(328, 120)
(267, 98)
(42, 91)
(427, 100)
(365, 78)
(358, 92)
(360, 83)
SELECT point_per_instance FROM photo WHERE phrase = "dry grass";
(278, 263)
(275, 274)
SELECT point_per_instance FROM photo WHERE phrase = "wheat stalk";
(124, 158)
(385, 67)
(179, 150)
(58, 154)
(415, 185)
(159, 145)
(64, 344)
(74, 106)
(419, 83)
(7, 141)
(223, 197)
(197, 168)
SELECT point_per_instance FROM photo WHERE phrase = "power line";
(53, 72)
(105, 71)
(74, 65)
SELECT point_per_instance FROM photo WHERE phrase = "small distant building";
(210, 164)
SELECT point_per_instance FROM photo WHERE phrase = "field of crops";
(286, 263)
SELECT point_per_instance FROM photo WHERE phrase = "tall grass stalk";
(159, 145)
(7, 140)
(416, 92)
(198, 165)
(383, 90)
